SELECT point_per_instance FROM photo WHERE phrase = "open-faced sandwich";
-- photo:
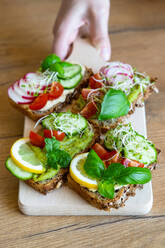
(52, 87)
(113, 170)
(42, 159)
(113, 93)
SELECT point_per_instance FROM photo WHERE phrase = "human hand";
(77, 16)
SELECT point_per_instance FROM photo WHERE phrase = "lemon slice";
(25, 158)
(78, 173)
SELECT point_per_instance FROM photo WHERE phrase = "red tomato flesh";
(57, 134)
(131, 163)
(56, 91)
(39, 102)
(36, 139)
(94, 81)
(85, 93)
(89, 110)
(100, 150)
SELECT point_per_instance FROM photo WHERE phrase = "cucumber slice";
(66, 70)
(69, 123)
(16, 171)
(72, 82)
(141, 150)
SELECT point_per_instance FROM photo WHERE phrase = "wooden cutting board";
(64, 201)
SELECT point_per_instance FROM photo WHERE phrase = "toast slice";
(106, 125)
(35, 115)
(54, 183)
(102, 203)
(60, 178)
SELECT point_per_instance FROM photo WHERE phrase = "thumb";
(99, 34)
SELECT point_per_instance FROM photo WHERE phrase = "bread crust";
(54, 183)
(102, 203)
(35, 115)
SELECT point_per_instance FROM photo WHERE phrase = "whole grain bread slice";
(100, 202)
(35, 115)
(60, 178)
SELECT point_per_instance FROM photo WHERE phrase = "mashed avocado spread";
(71, 144)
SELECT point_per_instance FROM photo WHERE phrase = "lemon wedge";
(78, 173)
(25, 158)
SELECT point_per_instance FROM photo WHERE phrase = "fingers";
(66, 29)
(99, 30)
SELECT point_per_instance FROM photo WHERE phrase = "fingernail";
(104, 53)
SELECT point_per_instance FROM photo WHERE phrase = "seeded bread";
(35, 115)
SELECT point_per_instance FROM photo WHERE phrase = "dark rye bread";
(54, 183)
(58, 180)
(100, 202)
(35, 115)
(106, 125)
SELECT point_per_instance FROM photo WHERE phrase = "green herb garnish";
(114, 105)
(115, 174)
(55, 155)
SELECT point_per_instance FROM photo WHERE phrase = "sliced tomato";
(109, 155)
(89, 110)
(85, 93)
(131, 163)
(94, 82)
(57, 134)
(36, 139)
(39, 102)
(114, 157)
(55, 91)
(100, 150)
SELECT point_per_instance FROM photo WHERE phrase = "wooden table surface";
(137, 31)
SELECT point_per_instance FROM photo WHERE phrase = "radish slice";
(21, 91)
(118, 74)
(16, 98)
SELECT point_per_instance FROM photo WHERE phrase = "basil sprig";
(94, 169)
(114, 105)
(115, 174)
(55, 155)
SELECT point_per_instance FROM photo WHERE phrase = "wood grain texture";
(137, 31)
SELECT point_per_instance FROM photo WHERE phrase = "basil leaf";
(55, 155)
(113, 171)
(106, 189)
(134, 175)
(51, 144)
(94, 166)
(114, 105)
(48, 61)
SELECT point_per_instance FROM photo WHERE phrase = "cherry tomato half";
(55, 91)
(36, 139)
(94, 82)
(89, 110)
(131, 163)
(85, 93)
(39, 102)
(57, 134)
(100, 150)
